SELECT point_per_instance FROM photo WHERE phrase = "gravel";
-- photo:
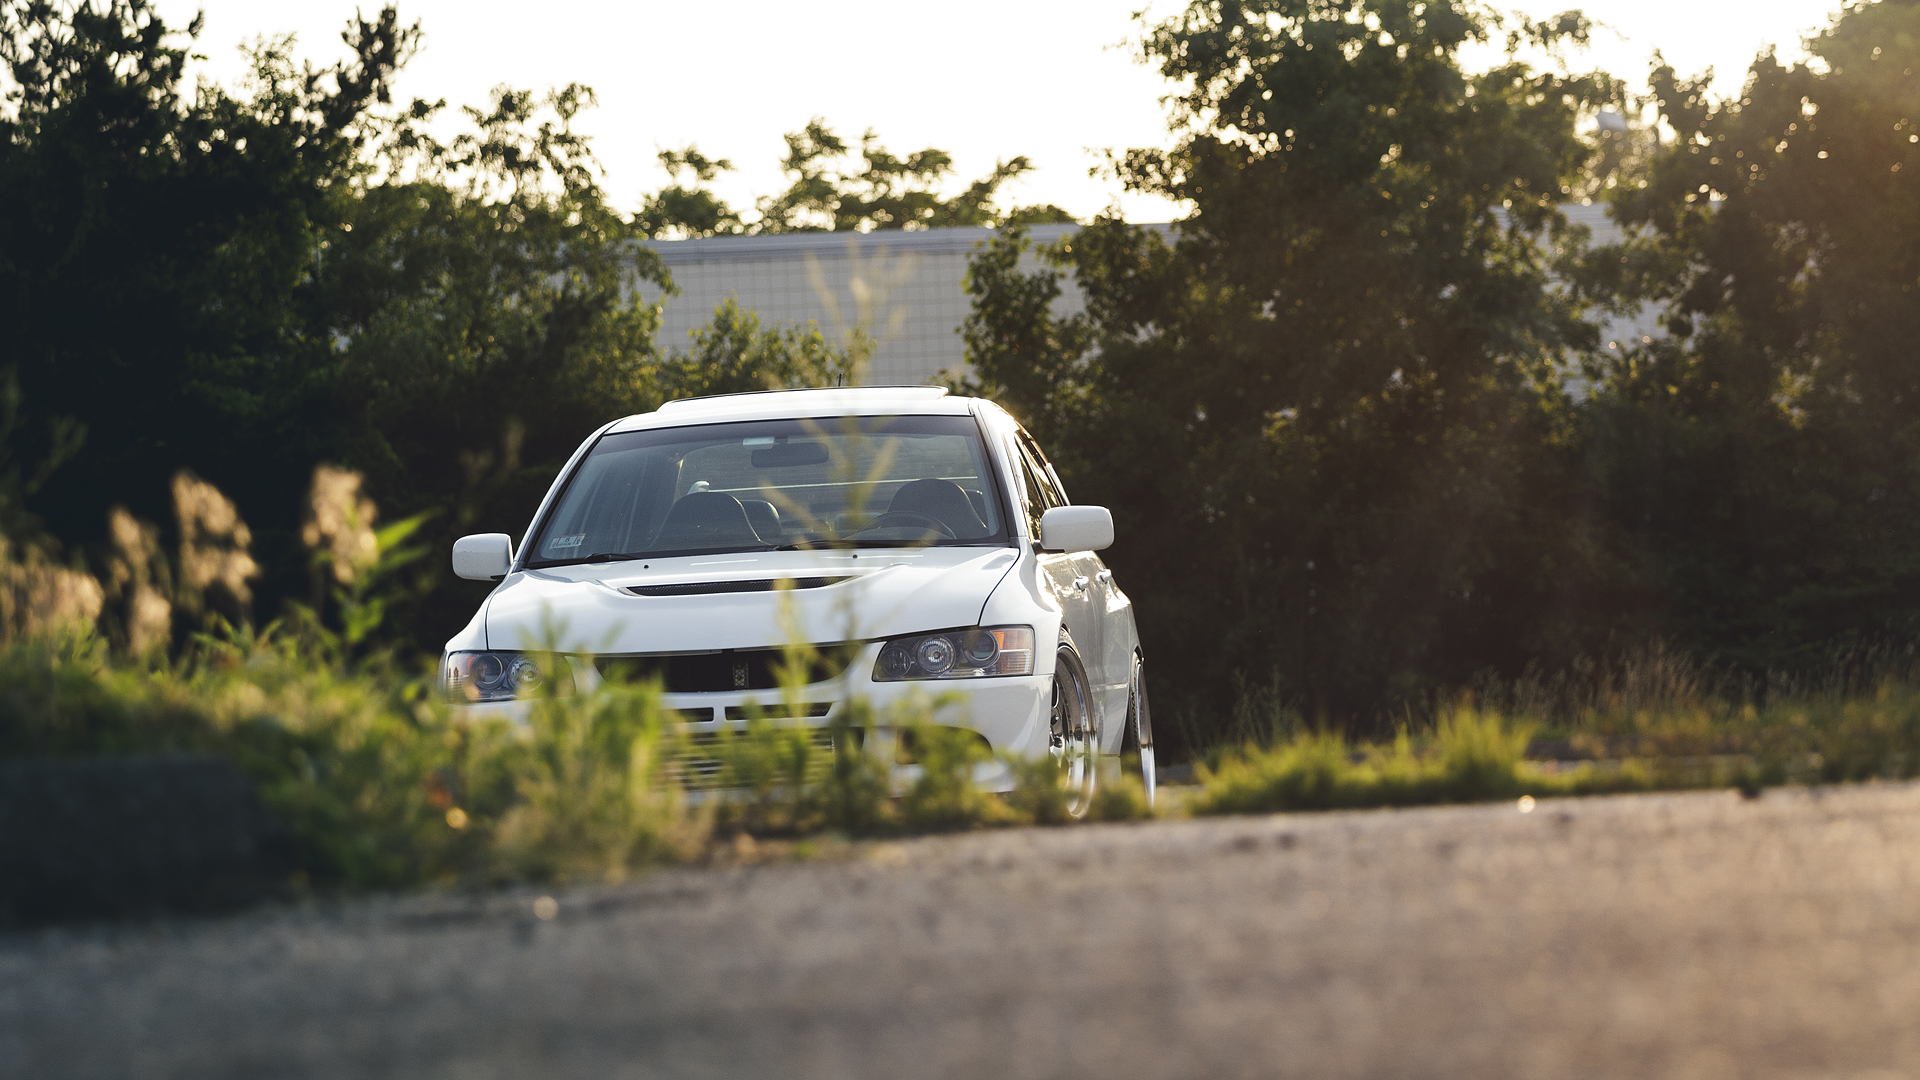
(1698, 935)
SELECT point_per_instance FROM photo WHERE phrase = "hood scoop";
(706, 588)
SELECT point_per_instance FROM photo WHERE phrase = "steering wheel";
(907, 519)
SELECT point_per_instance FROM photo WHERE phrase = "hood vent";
(705, 588)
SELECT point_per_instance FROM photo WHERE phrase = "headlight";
(490, 676)
(957, 654)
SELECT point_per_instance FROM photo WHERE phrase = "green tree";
(246, 285)
(156, 250)
(484, 318)
(735, 353)
(835, 186)
(688, 207)
(1325, 406)
(478, 303)
(1764, 456)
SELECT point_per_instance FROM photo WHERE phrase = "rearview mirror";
(483, 556)
(1076, 528)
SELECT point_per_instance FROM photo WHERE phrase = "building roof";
(960, 240)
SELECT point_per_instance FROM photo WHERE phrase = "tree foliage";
(1765, 454)
(156, 248)
(688, 207)
(246, 283)
(835, 186)
(1324, 405)
(1353, 413)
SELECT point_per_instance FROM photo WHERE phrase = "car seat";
(943, 501)
(765, 519)
(705, 519)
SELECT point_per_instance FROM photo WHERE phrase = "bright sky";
(983, 79)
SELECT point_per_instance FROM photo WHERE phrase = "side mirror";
(483, 556)
(1076, 528)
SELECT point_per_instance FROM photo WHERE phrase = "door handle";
(1104, 577)
(1080, 584)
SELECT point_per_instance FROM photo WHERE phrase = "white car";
(920, 534)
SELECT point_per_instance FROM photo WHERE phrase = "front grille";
(717, 672)
(701, 762)
(706, 588)
(780, 712)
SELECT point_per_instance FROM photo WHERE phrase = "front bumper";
(1010, 712)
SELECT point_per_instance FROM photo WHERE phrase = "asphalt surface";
(1690, 935)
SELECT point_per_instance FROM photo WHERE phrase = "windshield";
(860, 481)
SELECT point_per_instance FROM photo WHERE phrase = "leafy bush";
(385, 786)
(1470, 756)
(1814, 738)
(341, 760)
(583, 792)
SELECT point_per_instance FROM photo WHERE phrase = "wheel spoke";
(1072, 737)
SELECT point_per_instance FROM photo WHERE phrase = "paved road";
(1693, 935)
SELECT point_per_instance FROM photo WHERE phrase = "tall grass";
(343, 761)
(382, 781)
(1640, 740)
(385, 784)
(1471, 755)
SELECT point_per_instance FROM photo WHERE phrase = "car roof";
(799, 404)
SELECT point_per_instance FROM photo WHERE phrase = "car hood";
(707, 602)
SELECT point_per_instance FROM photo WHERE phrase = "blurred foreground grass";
(1685, 741)
(381, 784)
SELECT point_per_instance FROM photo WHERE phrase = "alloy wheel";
(1073, 739)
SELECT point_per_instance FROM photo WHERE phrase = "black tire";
(1136, 752)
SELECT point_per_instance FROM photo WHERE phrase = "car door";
(1111, 671)
(1075, 576)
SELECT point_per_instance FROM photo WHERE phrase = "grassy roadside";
(154, 654)
(381, 785)
(385, 788)
(1469, 756)
(1476, 754)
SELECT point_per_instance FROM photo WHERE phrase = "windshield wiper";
(848, 544)
(596, 557)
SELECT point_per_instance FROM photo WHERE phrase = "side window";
(1035, 502)
(1043, 470)
(1040, 493)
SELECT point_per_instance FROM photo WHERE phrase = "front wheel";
(1073, 738)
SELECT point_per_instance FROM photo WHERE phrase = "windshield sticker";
(559, 543)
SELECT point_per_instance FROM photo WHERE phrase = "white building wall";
(906, 288)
